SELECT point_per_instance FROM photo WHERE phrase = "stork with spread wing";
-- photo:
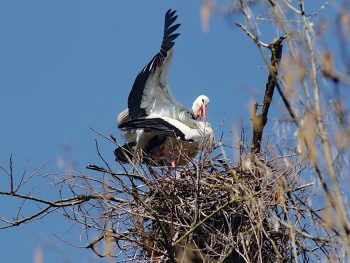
(151, 98)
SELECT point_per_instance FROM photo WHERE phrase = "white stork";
(151, 94)
(151, 98)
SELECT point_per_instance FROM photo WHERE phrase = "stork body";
(151, 98)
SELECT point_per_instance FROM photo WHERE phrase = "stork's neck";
(186, 118)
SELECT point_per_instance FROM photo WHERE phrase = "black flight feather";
(154, 125)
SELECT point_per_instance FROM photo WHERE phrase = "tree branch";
(260, 120)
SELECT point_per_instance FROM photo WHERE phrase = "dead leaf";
(205, 14)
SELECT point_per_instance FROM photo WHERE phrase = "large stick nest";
(210, 210)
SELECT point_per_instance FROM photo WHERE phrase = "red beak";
(203, 113)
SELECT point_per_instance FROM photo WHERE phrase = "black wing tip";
(170, 13)
(138, 123)
(129, 125)
(154, 124)
(172, 29)
(126, 125)
(169, 29)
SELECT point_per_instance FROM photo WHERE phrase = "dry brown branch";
(259, 120)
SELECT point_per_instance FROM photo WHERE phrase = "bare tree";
(284, 202)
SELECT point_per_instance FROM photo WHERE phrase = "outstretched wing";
(150, 86)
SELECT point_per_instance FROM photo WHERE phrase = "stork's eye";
(203, 100)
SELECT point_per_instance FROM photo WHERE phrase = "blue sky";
(69, 65)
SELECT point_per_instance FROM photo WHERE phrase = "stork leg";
(172, 159)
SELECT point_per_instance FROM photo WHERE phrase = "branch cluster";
(212, 210)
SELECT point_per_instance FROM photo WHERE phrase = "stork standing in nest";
(155, 123)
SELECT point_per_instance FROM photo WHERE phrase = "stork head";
(199, 107)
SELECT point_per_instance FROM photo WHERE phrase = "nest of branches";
(214, 211)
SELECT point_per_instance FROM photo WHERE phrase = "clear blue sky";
(69, 65)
